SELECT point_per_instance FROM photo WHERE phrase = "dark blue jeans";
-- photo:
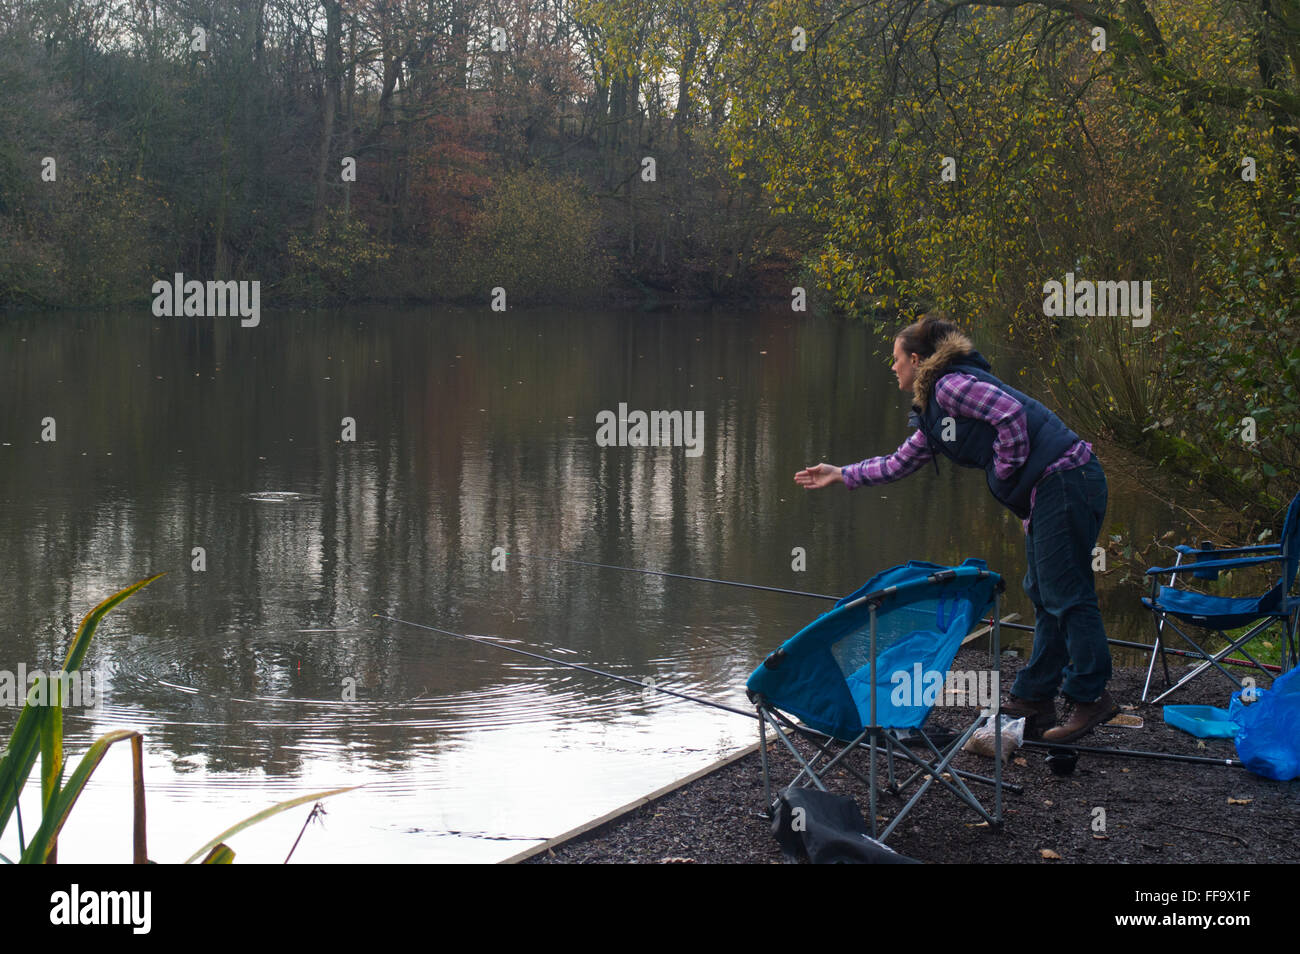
(1069, 640)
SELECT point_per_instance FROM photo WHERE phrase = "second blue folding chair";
(1219, 614)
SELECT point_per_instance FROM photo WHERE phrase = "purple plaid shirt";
(962, 395)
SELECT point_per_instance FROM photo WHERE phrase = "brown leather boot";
(1086, 717)
(1038, 715)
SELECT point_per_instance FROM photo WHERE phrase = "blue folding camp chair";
(872, 668)
(1221, 613)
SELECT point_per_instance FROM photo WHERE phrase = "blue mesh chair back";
(909, 621)
(822, 674)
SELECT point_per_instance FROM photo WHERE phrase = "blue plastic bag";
(1269, 741)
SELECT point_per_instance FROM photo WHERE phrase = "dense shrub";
(535, 237)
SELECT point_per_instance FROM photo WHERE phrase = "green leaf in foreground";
(220, 855)
(60, 805)
(25, 741)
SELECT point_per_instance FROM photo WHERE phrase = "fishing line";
(572, 665)
(677, 576)
(1123, 643)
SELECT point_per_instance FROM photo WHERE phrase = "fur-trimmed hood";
(956, 346)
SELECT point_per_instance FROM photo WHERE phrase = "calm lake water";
(473, 430)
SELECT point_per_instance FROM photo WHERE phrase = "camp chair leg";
(935, 773)
(806, 766)
(903, 785)
(871, 786)
(994, 713)
(807, 770)
(998, 760)
(946, 756)
(975, 777)
(823, 749)
(916, 773)
(809, 774)
(1289, 640)
(1157, 649)
(766, 716)
(823, 752)
(762, 751)
(854, 772)
(1157, 652)
(1212, 659)
(1151, 668)
(1239, 646)
(841, 754)
(1257, 664)
(923, 767)
(874, 723)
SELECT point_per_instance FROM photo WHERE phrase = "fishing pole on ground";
(1129, 644)
(1132, 753)
(1123, 643)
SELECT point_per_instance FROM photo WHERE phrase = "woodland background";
(502, 143)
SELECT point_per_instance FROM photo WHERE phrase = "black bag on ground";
(829, 829)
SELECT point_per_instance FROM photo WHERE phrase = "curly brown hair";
(923, 335)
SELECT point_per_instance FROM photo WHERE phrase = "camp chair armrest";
(1224, 551)
(899, 592)
(1213, 565)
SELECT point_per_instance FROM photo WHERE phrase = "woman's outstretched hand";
(820, 475)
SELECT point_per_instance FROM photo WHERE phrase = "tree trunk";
(329, 107)
(459, 46)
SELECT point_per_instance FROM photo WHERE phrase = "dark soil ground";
(1155, 811)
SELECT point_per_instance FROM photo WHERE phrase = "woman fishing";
(1046, 475)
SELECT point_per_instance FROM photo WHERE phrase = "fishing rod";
(1124, 643)
(572, 665)
(1129, 644)
(1134, 753)
(608, 675)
